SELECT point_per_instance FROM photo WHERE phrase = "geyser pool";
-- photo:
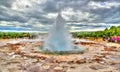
(59, 39)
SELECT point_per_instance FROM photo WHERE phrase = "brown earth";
(26, 57)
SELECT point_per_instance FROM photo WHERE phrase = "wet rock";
(46, 66)
(14, 70)
(72, 67)
(102, 62)
(97, 58)
(97, 67)
(79, 61)
(59, 69)
(107, 49)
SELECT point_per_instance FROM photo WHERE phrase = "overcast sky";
(39, 15)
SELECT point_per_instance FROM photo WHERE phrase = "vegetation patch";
(113, 31)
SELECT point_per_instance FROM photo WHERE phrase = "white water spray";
(59, 39)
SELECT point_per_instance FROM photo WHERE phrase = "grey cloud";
(101, 0)
(6, 3)
(86, 25)
(109, 15)
(50, 6)
(39, 12)
(103, 14)
(6, 14)
(6, 17)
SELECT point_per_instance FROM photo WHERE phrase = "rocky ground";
(25, 56)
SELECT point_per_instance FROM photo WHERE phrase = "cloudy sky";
(39, 15)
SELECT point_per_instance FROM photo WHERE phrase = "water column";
(59, 39)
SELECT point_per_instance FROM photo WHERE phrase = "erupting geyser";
(59, 39)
